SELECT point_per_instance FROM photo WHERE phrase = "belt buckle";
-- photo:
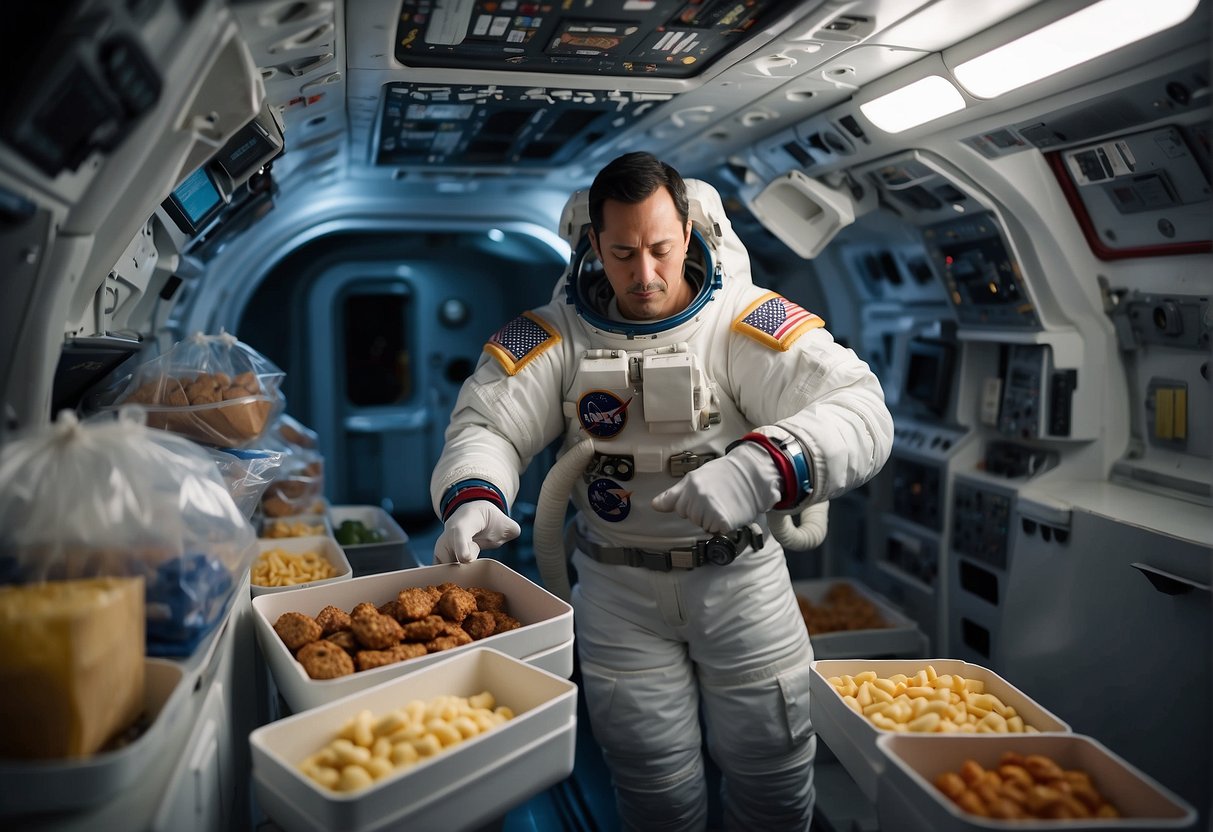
(717, 549)
(658, 561)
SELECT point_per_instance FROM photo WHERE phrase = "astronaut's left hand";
(726, 493)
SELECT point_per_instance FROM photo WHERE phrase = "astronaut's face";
(642, 248)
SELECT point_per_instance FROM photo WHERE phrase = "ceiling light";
(914, 104)
(1096, 30)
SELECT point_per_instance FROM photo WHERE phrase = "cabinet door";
(199, 796)
(1110, 652)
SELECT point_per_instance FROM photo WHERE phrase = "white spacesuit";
(674, 613)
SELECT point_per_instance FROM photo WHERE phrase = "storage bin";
(908, 801)
(388, 555)
(547, 622)
(901, 638)
(324, 545)
(462, 787)
(71, 785)
(852, 737)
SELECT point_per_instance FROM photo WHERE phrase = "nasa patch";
(602, 414)
(610, 500)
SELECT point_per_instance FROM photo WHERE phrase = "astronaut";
(708, 401)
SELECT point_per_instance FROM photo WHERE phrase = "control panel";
(1037, 400)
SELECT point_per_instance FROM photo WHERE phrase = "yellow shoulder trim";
(775, 321)
(521, 341)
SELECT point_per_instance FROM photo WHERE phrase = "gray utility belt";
(720, 550)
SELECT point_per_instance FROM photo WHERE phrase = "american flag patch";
(776, 321)
(520, 341)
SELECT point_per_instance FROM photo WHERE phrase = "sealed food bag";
(286, 428)
(298, 486)
(72, 675)
(247, 472)
(116, 499)
(211, 388)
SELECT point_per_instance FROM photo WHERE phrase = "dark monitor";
(928, 378)
(195, 202)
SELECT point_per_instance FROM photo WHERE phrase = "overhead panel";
(670, 38)
(494, 125)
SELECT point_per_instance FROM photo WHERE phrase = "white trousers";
(655, 645)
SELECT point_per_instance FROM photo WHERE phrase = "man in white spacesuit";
(709, 402)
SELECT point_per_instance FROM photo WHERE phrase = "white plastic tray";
(901, 638)
(466, 785)
(908, 801)
(60, 785)
(852, 737)
(325, 545)
(388, 555)
(547, 622)
(321, 520)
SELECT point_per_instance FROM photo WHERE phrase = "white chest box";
(852, 737)
(908, 801)
(547, 623)
(463, 787)
(900, 638)
(324, 546)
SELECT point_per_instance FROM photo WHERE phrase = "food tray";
(901, 638)
(321, 520)
(852, 737)
(388, 555)
(547, 622)
(468, 784)
(65, 785)
(325, 545)
(907, 800)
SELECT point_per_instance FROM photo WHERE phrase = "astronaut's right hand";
(472, 527)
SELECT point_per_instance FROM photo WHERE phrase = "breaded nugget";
(488, 599)
(345, 640)
(447, 642)
(445, 585)
(479, 625)
(415, 603)
(296, 629)
(364, 607)
(391, 608)
(427, 628)
(333, 620)
(455, 604)
(369, 659)
(374, 630)
(325, 660)
(504, 621)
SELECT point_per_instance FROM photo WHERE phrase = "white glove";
(727, 492)
(474, 526)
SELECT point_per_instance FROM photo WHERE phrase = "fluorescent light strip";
(1096, 30)
(924, 100)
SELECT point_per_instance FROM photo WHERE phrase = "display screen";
(194, 202)
(928, 380)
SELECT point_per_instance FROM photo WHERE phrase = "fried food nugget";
(415, 603)
(325, 660)
(345, 640)
(370, 659)
(374, 630)
(333, 620)
(504, 621)
(391, 608)
(488, 599)
(479, 625)
(296, 629)
(364, 607)
(427, 628)
(455, 604)
(448, 641)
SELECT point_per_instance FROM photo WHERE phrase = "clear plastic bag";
(247, 473)
(211, 388)
(114, 498)
(298, 487)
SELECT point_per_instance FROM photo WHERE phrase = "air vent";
(919, 198)
(846, 28)
(802, 156)
(849, 124)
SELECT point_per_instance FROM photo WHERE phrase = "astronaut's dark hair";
(633, 178)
